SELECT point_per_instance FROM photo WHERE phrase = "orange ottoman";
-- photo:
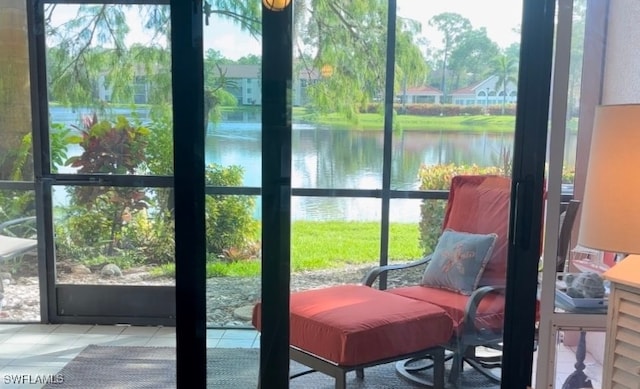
(356, 326)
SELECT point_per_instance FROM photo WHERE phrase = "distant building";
(486, 92)
(245, 83)
(421, 95)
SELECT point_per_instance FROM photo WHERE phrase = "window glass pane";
(332, 157)
(235, 146)
(114, 235)
(570, 344)
(456, 94)
(233, 158)
(573, 261)
(233, 260)
(337, 246)
(574, 92)
(405, 243)
(18, 273)
(19, 287)
(338, 88)
(16, 161)
(335, 208)
(233, 93)
(455, 109)
(109, 89)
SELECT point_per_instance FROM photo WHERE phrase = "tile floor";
(38, 350)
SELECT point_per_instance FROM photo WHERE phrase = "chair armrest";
(471, 309)
(374, 273)
(4, 227)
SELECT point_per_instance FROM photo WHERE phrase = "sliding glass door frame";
(527, 203)
(188, 180)
(67, 303)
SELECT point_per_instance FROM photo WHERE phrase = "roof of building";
(424, 90)
(467, 90)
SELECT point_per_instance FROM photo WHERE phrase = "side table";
(578, 379)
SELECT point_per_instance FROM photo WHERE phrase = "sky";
(499, 17)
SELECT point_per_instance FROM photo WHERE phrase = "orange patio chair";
(457, 306)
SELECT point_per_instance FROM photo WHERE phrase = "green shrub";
(93, 225)
(112, 221)
(438, 177)
(431, 109)
(16, 204)
(229, 219)
(153, 237)
(568, 174)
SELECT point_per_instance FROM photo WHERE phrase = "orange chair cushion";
(490, 313)
(352, 325)
(480, 205)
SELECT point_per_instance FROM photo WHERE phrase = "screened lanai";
(170, 164)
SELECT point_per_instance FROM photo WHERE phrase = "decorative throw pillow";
(458, 261)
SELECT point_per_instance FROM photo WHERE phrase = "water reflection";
(352, 159)
(333, 158)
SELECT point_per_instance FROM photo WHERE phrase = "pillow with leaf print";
(458, 261)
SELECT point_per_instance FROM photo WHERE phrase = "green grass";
(323, 245)
(374, 121)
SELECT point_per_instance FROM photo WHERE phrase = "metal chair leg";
(341, 381)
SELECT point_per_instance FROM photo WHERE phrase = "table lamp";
(611, 222)
(610, 219)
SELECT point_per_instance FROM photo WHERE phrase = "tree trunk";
(15, 103)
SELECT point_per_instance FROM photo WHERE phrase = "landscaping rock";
(111, 270)
(229, 299)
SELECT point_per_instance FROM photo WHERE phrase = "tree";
(506, 68)
(472, 56)
(92, 47)
(350, 37)
(347, 41)
(250, 59)
(216, 85)
(452, 26)
(411, 66)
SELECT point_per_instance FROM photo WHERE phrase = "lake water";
(332, 158)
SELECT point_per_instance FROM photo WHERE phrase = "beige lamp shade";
(610, 219)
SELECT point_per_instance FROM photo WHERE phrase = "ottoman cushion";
(352, 325)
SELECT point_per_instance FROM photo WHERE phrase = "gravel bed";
(229, 299)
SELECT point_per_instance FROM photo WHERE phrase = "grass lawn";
(374, 121)
(322, 245)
